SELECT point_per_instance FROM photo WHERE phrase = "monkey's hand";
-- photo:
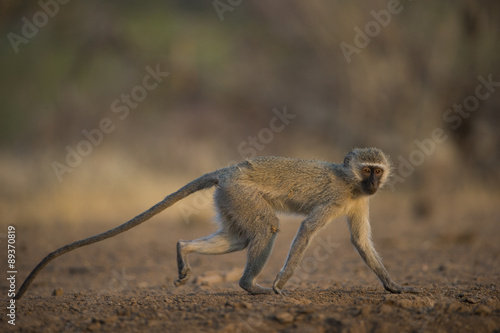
(397, 289)
(278, 285)
(280, 292)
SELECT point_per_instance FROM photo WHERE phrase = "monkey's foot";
(183, 278)
(261, 291)
(256, 289)
(411, 290)
(181, 282)
(397, 289)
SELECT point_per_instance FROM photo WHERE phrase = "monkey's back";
(291, 184)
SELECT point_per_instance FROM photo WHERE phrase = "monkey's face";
(371, 179)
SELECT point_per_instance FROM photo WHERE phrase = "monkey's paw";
(411, 290)
(280, 291)
(278, 286)
(397, 289)
(181, 281)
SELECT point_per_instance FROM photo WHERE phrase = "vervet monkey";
(247, 197)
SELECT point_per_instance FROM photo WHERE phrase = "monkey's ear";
(348, 158)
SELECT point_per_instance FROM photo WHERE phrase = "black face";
(371, 179)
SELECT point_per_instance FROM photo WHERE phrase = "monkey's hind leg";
(259, 250)
(218, 243)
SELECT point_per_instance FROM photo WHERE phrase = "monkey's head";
(369, 167)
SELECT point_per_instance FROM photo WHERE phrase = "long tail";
(205, 181)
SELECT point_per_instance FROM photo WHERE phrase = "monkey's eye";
(367, 170)
(378, 171)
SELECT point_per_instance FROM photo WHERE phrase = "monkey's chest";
(291, 202)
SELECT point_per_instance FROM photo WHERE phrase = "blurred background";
(92, 127)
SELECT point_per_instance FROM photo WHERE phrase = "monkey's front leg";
(361, 239)
(294, 257)
(299, 246)
(373, 261)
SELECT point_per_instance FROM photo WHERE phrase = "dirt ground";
(126, 283)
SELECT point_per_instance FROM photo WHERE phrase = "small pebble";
(284, 317)
(482, 310)
(57, 292)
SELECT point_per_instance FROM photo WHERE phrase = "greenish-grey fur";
(247, 197)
